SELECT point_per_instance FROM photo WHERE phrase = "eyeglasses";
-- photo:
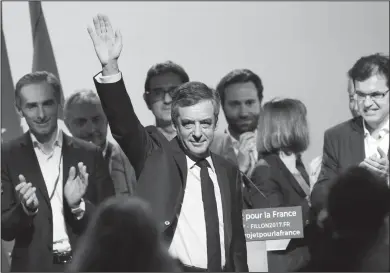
(159, 93)
(373, 96)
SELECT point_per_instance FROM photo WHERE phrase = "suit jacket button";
(167, 223)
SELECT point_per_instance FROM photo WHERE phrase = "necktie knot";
(203, 163)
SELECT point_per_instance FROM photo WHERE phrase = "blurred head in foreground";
(358, 207)
(358, 203)
(122, 237)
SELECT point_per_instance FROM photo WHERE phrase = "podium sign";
(273, 223)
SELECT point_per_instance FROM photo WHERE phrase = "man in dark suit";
(46, 202)
(195, 195)
(363, 140)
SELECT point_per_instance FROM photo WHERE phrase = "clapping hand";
(377, 165)
(26, 194)
(246, 150)
(76, 186)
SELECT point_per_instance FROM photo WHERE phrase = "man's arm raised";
(127, 130)
(108, 45)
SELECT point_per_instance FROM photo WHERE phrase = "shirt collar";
(235, 142)
(383, 130)
(191, 163)
(105, 148)
(58, 140)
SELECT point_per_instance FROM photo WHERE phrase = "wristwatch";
(80, 208)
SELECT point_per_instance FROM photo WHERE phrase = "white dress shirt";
(189, 242)
(105, 148)
(51, 166)
(371, 144)
(314, 170)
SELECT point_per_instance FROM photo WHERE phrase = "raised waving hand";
(108, 45)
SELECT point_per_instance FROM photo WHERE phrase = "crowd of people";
(169, 197)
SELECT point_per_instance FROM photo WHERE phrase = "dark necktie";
(108, 153)
(211, 219)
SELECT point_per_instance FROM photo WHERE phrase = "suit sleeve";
(240, 253)
(125, 127)
(13, 218)
(129, 174)
(101, 179)
(79, 225)
(328, 172)
(267, 185)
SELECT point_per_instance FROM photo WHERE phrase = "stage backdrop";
(301, 50)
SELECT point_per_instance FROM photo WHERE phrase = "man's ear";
(146, 99)
(174, 126)
(216, 125)
(19, 111)
(66, 122)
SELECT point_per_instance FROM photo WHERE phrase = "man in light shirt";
(195, 196)
(85, 119)
(364, 140)
(241, 93)
(50, 181)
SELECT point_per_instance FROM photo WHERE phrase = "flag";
(43, 56)
(10, 128)
(10, 121)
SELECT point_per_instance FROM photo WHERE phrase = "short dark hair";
(165, 67)
(191, 93)
(38, 77)
(283, 127)
(354, 192)
(368, 66)
(240, 76)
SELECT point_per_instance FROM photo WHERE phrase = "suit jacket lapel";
(33, 172)
(224, 182)
(357, 140)
(179, 157)
(228, 150)
(293, 182)
(110, 153)
(67, 155)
